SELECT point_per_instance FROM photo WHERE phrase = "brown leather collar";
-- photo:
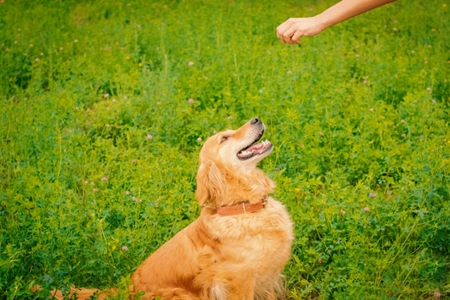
(242, 208)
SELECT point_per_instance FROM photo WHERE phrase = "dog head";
(228, 172)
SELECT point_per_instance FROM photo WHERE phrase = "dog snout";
(255, 121)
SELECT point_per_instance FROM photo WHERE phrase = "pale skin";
(293, 29)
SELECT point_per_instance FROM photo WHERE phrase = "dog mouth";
(255, 149)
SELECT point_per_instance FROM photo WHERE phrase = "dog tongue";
(259, 147)
(256, 147)
(254, 150)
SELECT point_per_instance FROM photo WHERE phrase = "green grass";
(359, 116)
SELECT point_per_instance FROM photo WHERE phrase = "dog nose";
(255, 121)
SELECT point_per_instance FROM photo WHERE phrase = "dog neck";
(242, 208)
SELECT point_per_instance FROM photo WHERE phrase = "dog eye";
(223, 139)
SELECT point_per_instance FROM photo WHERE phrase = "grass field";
(105, 106)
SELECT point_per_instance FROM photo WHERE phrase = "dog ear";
(210, 183)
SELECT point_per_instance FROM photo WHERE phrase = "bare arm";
(294, 28)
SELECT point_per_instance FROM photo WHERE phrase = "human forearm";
(293, 29)
(347, 9)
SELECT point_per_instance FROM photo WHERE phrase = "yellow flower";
(140, 64)
(127, 57)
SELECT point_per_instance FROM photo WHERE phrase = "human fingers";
(283, 26)
(281, 29)
(288, 34)
(291, 30)
(296, 37)
(280, 36)
(285, 30)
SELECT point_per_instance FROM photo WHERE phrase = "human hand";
(293, 29)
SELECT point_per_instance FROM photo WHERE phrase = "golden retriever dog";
(240, 243)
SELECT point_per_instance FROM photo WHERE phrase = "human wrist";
(321, 22)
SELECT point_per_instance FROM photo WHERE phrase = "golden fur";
(224, 257)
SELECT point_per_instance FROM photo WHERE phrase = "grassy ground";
(105, 105)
